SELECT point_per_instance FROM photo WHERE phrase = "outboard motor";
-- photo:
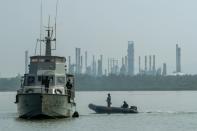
(133, 107)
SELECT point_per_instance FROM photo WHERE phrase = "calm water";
(159, 111)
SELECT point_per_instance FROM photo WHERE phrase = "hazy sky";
(101, 27)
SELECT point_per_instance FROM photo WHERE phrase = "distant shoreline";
(107, 90)
(119, 83)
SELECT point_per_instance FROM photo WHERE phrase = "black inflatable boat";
(109, 110)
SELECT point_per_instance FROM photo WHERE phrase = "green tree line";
(119, 83)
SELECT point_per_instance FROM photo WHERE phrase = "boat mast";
(41, 27)
(48, 43)
(49, 39)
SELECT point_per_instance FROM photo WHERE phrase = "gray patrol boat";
(46, 90)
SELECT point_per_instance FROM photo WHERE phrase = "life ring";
(29, 91)
(58, 91)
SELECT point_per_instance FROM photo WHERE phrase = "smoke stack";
(113, 64)
(102, 64)
(94, 66)
(108, 66)
(78, 60)
(122, 61)
(86, 60)
(178, 58)
(69, 64)
(26, 62)
(139, 64)
(81, 65)
(145, 63)
(150, 63)
(126, 63)
(164, 73)
(154, 63)
(93, 63)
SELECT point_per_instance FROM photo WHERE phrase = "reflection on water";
(159, 111)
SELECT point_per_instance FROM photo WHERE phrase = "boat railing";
(43, 90)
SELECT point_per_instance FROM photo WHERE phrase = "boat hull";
(43, 105)
(109, 110)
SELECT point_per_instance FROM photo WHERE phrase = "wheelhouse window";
(31, 80)
(34, 60)
(60, 80)
(42, 79)
(39, 78)
(41, 60)
(61, 60)
(47, 60)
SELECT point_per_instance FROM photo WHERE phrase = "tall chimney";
(101, 64)
(122, 61)
(81, 65)
(126, 63)
(26, 62)
(108, 67)
(78, 61)
(86, 60)
(150, 63)
(164, 73)
(94, 66)
(154, 63)
(139, 64)
(145, 63)
(69, 64)
(178, 58)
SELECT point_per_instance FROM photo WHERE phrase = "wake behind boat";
(109, 110)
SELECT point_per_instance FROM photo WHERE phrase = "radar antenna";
(41, 24)
(51, 33)
(55, 38)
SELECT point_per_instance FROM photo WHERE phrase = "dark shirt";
(109, 101)
(69, 85)
(125, 105)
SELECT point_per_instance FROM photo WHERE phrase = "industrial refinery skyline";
(102, 27)
(123, 66)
